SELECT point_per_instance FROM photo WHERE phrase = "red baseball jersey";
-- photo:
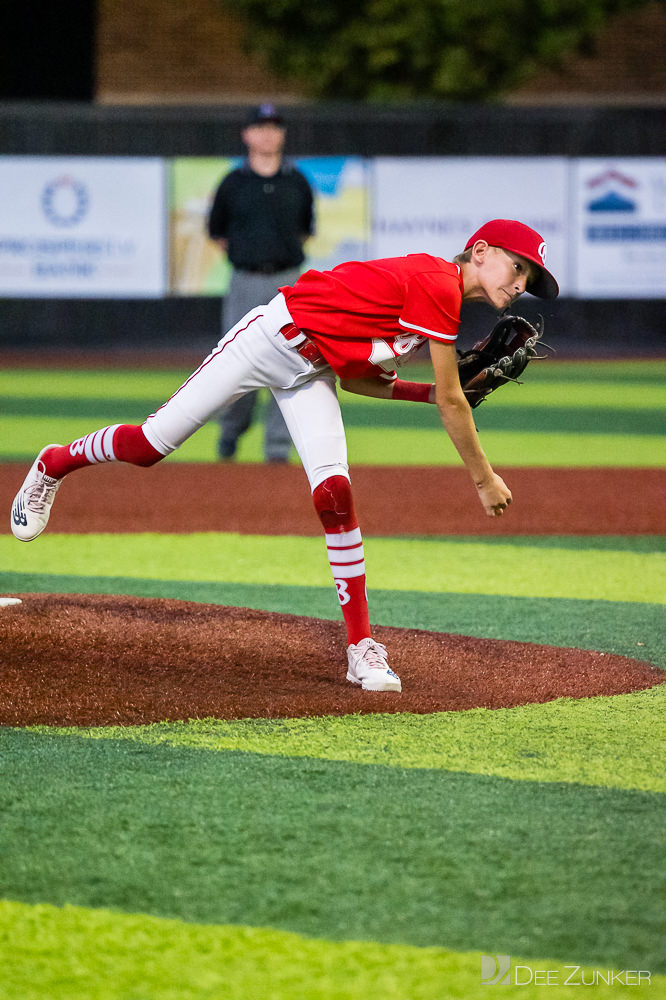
(363, 315)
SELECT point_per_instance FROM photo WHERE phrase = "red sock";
(117, 443)
(335, 506)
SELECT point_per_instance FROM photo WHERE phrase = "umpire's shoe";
(32, 505)
(368, 666)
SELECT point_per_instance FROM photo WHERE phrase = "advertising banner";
(76, 227)
(342, 201)
(197, 267)
(620, 232)
(434, 204)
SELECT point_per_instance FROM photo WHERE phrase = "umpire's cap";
(263, 115)
(519, 238)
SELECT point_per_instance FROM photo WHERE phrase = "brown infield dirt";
(83, 660)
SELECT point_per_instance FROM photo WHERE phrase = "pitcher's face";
(502, 276)
(514, 274)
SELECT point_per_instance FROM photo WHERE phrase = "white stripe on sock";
(347, 572)
(344, 539)
(108, 454)
(350, 555)
(88, 447)
(98, 446)
(97, 442)
(345, 554)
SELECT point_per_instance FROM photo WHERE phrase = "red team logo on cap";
(542, 251)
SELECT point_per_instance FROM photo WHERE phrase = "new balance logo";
(18, 514)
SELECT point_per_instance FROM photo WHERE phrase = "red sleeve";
(432, 306)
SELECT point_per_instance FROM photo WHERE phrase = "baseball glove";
(499, 358)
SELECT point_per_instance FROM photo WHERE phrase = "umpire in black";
(261, 216)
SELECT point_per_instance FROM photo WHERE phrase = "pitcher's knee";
(334, 503)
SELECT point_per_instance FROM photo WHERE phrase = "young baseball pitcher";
(356, 322)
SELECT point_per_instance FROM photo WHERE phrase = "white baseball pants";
(254, 355)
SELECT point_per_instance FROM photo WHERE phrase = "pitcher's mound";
(88, 660)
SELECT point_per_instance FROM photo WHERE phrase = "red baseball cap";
(519, 238)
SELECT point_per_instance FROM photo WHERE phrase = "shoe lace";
(374, 656)
(41, 493)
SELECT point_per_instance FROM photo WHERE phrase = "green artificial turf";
(95, 383)
(551, 420)
(617, 382)
(613, 742)
(76, 953)
(436, 566)
(23, 437)
(531, 831)
(544, 416)
(334, 850)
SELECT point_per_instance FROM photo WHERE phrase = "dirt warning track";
(275, 500)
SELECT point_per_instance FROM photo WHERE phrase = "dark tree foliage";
(406, 49)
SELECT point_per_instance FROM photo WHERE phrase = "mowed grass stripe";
(567, 423)
(635, 630)
(112, 393)
(621, 380)
(552, 394)
(334, 850)
(605, 376)
(611, 742)
(436, 566)
(548, 419)
(77, 951)
(94, 383)
(64, 396)
(23, 437)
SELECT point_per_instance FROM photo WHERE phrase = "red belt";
(307, 348)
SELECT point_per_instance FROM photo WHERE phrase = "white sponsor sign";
(433, 205)
(620, 233)
(82, 227)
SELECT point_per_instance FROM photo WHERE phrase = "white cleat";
(368, 666)
(32, 505)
